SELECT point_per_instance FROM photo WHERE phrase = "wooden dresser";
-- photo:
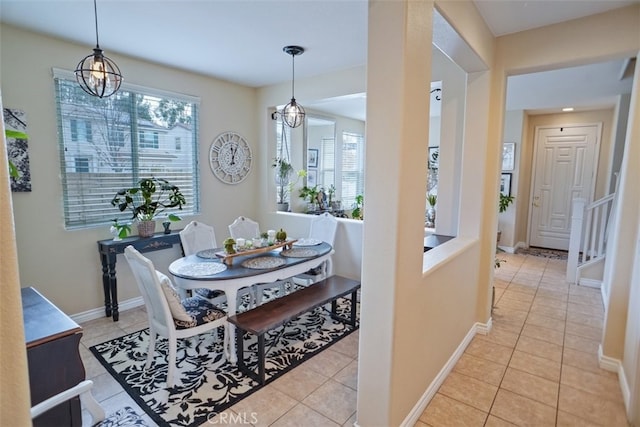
(53, 354)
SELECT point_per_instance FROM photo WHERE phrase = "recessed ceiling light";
(567, 109)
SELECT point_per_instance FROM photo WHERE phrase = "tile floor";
(320, 392)
(539, 364)
(537, 367)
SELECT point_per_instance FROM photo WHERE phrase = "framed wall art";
(312, 158)
(508, 156)
(505, 184)
(312, 178)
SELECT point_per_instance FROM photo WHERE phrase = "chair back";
(197, 236)
(324, 227)
(149, 284)
(245, 228)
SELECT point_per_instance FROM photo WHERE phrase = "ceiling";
(241, 40)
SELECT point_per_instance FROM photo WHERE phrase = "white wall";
(513, 128)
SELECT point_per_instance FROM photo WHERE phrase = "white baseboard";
(97, 313)
(614, 365)
(507, 249)
(421, 405)
(590, 283)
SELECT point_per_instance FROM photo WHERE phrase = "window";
(109, 144)
(149, 139)
(328, 161)
(352, 168)
(178, 143)
(82, 164)
(80, 130)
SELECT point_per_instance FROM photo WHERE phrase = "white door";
(564, 168)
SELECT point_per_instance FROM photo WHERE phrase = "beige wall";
(14, 387)
(64, 265)
(592, 39)
(416, 309)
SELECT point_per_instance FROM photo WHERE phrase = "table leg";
(105, 285)
(113, 287)
(232, 302)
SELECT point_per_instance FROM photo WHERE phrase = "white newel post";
(577, 214)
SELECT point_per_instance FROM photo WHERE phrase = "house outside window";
(111, 143)
(82, 164)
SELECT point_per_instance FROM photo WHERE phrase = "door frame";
(534, 165)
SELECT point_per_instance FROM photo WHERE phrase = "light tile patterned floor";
(539, 364)
(537, 367)
(320, 392)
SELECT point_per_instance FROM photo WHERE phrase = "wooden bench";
(281, 310)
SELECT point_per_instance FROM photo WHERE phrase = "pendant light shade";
(96, 74)
(293, 113)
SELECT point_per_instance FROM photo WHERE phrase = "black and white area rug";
(206, 383)
(125, 417)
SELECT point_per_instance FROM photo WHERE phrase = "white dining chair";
(247, 228)
(168, 315)
(195, 237)
(323, 227)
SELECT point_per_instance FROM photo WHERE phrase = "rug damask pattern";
(206, 383)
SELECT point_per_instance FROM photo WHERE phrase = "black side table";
(110, 248)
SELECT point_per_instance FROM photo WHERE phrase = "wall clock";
(230, 157)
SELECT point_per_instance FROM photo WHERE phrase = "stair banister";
(577, 215)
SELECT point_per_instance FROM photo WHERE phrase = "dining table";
(210, 269)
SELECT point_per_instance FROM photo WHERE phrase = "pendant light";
(293, 113)
(96, 74)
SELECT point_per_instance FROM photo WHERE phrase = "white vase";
(430, 217)
(115, 233)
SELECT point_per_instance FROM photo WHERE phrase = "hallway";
(539, 364)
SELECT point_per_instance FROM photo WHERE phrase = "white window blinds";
(352, 168)
(111, 143)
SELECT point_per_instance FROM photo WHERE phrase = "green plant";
(504, 202)
(149, 198)
(283, 175)
(122, 229)
(432, 199)
(331, 192)
(310, 193)
(356, 213)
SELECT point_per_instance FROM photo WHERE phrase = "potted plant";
(119, 231)
(283, 170)
(310, 194)
(148, 199)
(334, 205)
(357, 212)
(503, 204)
(430, 216)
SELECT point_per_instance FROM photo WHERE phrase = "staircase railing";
(589, 229)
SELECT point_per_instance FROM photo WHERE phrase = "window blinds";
(111, 143)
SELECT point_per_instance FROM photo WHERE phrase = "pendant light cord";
(293, 75)
(95, 14)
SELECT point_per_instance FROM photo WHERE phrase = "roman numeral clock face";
(230, 158)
